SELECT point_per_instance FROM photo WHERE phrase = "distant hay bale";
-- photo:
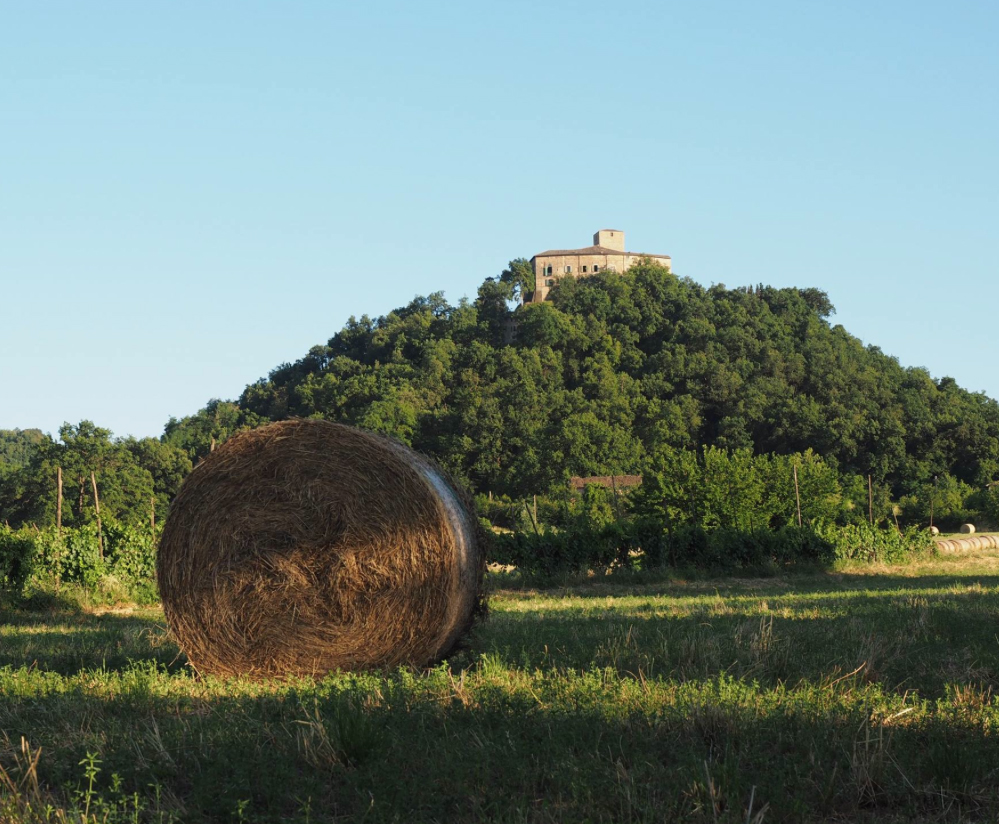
(306, 546)
(978, 542)
(967, 529)
(934, 530)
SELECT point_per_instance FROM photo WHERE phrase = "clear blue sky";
(193, 193)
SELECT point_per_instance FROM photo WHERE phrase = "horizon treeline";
(614, 374)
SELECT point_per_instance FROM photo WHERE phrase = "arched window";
(596, 268)
(548, 271)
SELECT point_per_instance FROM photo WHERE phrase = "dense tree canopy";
(616, 371)
(132, 477)
(17, 446)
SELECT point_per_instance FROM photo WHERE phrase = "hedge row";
(77, 555)
(129, 553)
(647, 544)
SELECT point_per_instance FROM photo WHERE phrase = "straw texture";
(307, 546)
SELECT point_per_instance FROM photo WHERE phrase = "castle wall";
(558, 264)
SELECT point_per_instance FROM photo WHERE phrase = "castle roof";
(594, 250)
(608, 481)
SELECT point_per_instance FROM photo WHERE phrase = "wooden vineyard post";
(152, 513)
(870, 500)
(533, 519)
(59, 501)
(797, 493)
(617, 509)
(933, 497)
(97, 511)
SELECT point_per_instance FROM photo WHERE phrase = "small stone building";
(616, 482)
(607, 254)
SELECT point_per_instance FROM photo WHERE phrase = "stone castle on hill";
(607, 254)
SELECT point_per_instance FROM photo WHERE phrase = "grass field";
(865, 694)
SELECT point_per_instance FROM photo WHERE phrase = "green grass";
(865, 694)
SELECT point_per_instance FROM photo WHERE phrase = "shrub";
(647, 542)
(863, 542)
(17, 559)
(35, 558)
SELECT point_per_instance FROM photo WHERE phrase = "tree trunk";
(59, 501)
(97, 511)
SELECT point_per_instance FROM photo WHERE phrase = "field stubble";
(865, 694)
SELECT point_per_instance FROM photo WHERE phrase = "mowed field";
(860, 695)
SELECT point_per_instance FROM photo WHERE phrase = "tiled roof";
(593, 250)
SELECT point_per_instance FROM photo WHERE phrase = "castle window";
(548, 271)
(596, 268)
(550, 282)
(568, 270)
(584, 269)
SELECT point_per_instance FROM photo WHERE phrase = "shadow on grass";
(585, 747)
(575, 707)
(676, 583)
(924, 634)
(53, 634)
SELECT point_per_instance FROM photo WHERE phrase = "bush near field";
(717, 510)
(121, 558)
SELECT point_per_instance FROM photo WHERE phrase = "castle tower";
(609, 239)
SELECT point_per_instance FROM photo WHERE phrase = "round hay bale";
(967, 529)
(306, 546)
(934, 530)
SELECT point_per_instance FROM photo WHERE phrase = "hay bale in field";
(967, 529)
(934, 531)
(976, 542)
(306, 546)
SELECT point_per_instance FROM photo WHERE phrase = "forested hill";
(17, 447)
(614, 371)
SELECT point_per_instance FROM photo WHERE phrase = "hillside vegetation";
(617, 371)
(614, 374)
